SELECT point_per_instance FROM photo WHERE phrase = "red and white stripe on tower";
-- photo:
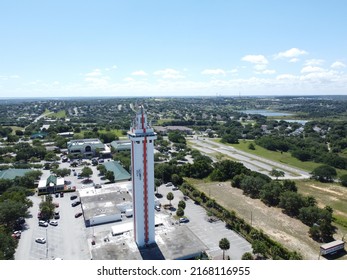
(142, 138)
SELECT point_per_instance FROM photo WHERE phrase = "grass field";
(14, 128)
(116, 131)
(285, 158)
(59, 115)
(328, 194)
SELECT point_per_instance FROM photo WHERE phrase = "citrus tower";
(142, 138)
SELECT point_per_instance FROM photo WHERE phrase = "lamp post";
(46, 245)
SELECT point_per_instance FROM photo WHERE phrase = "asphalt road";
(252, 162)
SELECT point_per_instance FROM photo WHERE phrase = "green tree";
(102, 169)
(7, 245)
(62, 172)
(251, 146)
(170, 197)
(86, 172)
(224, 245)
(182, 204)
(47, 208)
(10, 211)
(247, 256)
(271, 192)
(291, 203)
(324, 173)
(110, 176)
(180, 212)
(343, 180)
(259, 248)
(276, 173)
(252, 185)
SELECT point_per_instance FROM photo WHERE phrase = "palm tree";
(224, 244)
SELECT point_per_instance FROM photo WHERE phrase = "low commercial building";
(12, 173)
(106, 204)
(121, 145)
(52, 184)
(88, 148)
(120, 174)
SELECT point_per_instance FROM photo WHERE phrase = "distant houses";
(164, 130)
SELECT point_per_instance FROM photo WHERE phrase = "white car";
(40, 240)
(43, 224)
(53, 223)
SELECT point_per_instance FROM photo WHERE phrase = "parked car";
(169, 184)
(56, 194)
(157, 207)
(61, 194)
(16, 234)
(56, 215)
(79, 214)
(40, 240)
(53, 223)
(184, 220)
(73, 197)
(175, 188)
(43, 223)
(75, 203)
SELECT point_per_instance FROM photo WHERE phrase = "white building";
(142, 138)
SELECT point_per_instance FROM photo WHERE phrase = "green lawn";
(59, 115)
(285, 158)
(116, 131)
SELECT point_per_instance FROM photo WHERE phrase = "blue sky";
(172, 48)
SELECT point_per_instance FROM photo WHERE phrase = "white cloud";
(314, 62)
(294, 59)
(128, 79)
(310, 69)
(139, 73)
(338, 65)
(255, 59)
(7, 77)
(94, 73)
(213, 72)
(291, 53)
(169, 73)
(286, 77)
(260, 67)
(268, 72)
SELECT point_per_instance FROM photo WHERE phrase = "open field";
(332, 195)
(290, 232)
(285, 157)
(116, 131)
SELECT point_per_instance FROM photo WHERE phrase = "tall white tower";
(142, 138)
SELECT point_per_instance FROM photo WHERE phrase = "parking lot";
(209, 233)
(69, 239)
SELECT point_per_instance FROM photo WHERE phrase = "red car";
(79, 214)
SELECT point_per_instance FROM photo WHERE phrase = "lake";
(267, 113)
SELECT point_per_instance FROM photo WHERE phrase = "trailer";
(332, 247)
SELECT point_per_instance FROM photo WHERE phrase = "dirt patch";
(290, 232)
